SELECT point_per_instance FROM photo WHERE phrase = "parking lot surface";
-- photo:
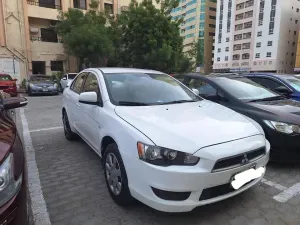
(74, 191)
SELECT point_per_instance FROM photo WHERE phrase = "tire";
(69, 134)
(119, 193)
(29, 92)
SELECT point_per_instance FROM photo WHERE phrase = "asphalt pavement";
(67, 186)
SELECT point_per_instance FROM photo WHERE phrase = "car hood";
(9, 82)
(287, 109)
(188, 127)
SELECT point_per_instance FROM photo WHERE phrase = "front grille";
(4, 87)
(239, 160)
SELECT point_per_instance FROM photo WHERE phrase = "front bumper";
(15, 211)
(12, 92)
(284, 147)
(48, 90)
(197, 180)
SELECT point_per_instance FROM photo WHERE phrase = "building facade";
(199, 21)
(297, 62)
(28, 41)
(256, 35)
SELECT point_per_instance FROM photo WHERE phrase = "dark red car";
(8, 85)
(13, 175)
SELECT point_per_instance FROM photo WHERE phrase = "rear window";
(5, 77)
(71, 76)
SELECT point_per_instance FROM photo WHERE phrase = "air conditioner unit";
(53, 23)
(34, 30)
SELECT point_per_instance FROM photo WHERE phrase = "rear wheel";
(69, 134)
(115, 176)
(29, 92)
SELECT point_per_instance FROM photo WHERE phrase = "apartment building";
(297, 62)
(28, 41)
(199, 19)
(256, 35)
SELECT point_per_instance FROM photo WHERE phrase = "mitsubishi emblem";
(245, 160)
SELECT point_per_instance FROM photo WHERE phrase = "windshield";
(244, 89)
(40, 78)
(71, 76)
(5, 77)
(146, 89)
(294, 82)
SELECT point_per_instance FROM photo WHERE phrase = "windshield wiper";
(268, 99)
(178, 101)
(132, 103)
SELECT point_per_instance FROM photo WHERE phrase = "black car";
(277, 115)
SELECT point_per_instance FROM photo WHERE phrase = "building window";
(226, 58)
(212, 17)
(258, 44)
(202, 17)
(259, 33)
(295, 32)
(247, 35)
(248, 25)
(212, 9)
(227, 39)
(211, 34)
(227, 49)
(212, 25)
(201, 25)
(292, 54)
(246, 46)
(248, 14)
(249, 3)
(239, 27)
(238, 37)
(272, 16)
(240, 6)
(246, 56)
(201, 33)
(296, 21)
(239, 16)
(218, 59)
(269, 54)
(237, 47)
(108, 8)
(229, 16)
(52, 4)
(57, 66)
(48, 35)
(261, 12)
(270, 43)
(236, 57)
(219, 49)
(294, 43)
(79, 4)
(257, 55)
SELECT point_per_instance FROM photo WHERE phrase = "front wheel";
(115, 176)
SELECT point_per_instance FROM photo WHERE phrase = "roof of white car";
(126, 70)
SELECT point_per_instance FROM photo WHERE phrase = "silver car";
(66, 79)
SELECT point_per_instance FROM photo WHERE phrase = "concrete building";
(199, 19)
(297, 62)
(28, 42)
(256, 35)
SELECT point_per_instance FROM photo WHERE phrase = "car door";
(72, 101)
(92, 114)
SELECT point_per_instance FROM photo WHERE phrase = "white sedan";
(160, 142)
(66, 79)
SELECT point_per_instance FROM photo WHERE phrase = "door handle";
(67, 96)
(77, 104)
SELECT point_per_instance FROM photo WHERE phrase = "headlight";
(8, 186)
(31, 85)
(256, 125)
(283, 127)
(55, 85)
(165, 157)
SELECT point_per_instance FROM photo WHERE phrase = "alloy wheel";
(113, 173)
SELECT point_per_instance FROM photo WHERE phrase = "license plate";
(246, 176)
(45, 89)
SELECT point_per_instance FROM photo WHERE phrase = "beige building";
(28, 42)
(199, 22)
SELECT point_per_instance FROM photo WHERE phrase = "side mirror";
(283, 90)
(64, 78)
(15, 79)
(196, 92)
(69, 83)
(90, 98)
(14, 102)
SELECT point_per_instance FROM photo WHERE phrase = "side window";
(77, 84)
(179, 77)
(64, 77)
(268, 83)
(203, 87)
(91, 84)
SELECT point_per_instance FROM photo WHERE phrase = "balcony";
(45, 9)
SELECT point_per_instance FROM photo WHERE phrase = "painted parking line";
(273, 184)
(38, 204)
(46, 129)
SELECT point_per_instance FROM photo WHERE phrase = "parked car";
(13, 174)
(278, 116)
(284, 84)
(41, 84)
(66, 79)
(8, 84)
(159, 142)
